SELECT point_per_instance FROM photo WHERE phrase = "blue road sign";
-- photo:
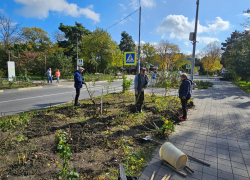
(130, 58)
(171, 67)
(198, 67)
(188, 66)
(80, 62)
(189, 59)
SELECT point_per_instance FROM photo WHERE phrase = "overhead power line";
(123, 19)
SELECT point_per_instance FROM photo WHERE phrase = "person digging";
(184, 95)
(78, 84)
(140, 84)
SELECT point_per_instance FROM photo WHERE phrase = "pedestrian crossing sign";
(188, 66)
(80, 62)
(130, 58)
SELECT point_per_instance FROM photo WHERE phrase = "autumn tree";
(211, 61)
(149, 52)
(100, 52)
(166, 54)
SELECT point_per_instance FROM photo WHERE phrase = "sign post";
(80, 62)
(129, 58)
(11, 70)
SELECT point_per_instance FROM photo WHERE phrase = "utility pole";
(77, 52)
(194, 40)
(139, 47)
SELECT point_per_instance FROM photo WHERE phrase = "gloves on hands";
(183, 97)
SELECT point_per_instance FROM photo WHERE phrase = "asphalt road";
(13, 102)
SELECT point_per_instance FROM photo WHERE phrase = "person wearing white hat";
(78, 84)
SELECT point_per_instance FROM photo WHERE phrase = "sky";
(170, 20)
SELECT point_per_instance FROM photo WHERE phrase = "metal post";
(194, 41)
(77, 53)
(101, 101)
(139, 47)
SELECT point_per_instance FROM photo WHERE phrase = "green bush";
(203, 84)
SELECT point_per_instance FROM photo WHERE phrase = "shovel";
(148, 138)
(89, 94)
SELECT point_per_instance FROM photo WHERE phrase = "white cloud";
(187, 43)
(247, 15)
(164, 1)
(123, 6)
(179, 27)
(143, 42)
(41, 9)
(187, 52)
(125, 15)
(206, 40)
(145, 3)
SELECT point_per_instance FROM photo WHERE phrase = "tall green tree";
(69, 42)
(127, 43)
(99, 52)
(236, 56)
(59, 61)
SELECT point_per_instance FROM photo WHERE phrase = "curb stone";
(20, 89)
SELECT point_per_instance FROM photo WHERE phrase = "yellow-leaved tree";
(212, 58)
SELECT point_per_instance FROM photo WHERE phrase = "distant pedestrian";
(78, 84)
(49, 75)
(140, 83)
(58, 74)
(184, 94)
(154, 76)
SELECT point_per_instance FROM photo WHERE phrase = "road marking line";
(35, 97)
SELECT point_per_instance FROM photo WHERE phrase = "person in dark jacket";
(184, 94)
(78, 84)
(140, 83)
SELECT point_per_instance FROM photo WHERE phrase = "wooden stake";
(168, 178)
(189, 169)
(198, 160)
(153, 176)
(164, 178)
(171, 167)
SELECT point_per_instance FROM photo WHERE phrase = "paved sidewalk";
(218, 131)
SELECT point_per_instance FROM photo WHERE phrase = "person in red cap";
(184, 94)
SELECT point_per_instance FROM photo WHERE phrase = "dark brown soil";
(93, 139)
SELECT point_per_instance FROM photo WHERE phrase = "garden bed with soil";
(98, 142)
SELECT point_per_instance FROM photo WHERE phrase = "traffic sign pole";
(194, 41)
(139, 47)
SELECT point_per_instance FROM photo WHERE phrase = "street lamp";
(192, 37)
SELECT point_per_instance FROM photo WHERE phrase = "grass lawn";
(4, 84)
(203, 84)
(243, 85)
(98, 142)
